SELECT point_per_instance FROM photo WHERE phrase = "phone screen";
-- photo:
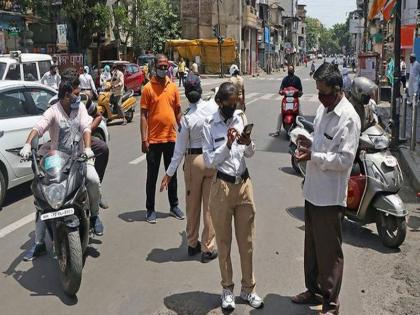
(248, 129)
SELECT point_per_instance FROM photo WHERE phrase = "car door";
(137, 77)
(16, 121)
(128, 77)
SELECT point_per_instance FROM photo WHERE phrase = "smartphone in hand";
(248, 129)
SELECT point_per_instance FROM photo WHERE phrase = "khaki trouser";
(198, 180)
(234, 200)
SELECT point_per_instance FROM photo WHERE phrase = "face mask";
(327, 100)
(193, 96)
(227, 111)
(75, 102)
(161, 73)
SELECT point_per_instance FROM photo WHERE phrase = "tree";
(340, 33)
(313, 31)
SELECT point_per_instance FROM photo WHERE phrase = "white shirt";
(105, 77)
(215, 151)
(190, 132)
(403, 68)
(336, 138)
(86, 82)
(51, 80)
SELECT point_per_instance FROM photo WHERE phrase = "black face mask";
(291, 72)
(193, 96)
(227, 111)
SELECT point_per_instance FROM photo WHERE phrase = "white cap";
(412, 55)
(233, 68)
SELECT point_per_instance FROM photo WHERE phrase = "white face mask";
(161, 73)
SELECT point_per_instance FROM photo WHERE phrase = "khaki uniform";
(198, 178)
(238, 82)
(231, 197)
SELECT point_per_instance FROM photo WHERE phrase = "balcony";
(250, 18)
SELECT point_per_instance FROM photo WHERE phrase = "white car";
(26, 67)
(21, 105)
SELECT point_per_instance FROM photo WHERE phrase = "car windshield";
(53, 162)
(2, 69)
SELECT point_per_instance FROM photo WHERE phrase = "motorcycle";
(109, 112)
(289, 107)
(374, 183)
(61, 201)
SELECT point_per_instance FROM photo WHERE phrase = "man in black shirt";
(290, 80)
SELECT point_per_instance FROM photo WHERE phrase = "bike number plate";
(289, 99)
(57, 214)
(289, 106)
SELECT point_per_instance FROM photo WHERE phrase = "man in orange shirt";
(160, 115)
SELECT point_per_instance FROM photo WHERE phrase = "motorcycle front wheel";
(70, 259)
(392, 230)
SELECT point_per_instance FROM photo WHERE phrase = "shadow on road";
(139, 216)
(278, 304)
(413, 221)
(290, 171)
(178, 254)
(42, 278)
(192, 303)
(353, 233)
(17, 193)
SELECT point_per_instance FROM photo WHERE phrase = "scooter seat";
(307, 125)
(127, 95)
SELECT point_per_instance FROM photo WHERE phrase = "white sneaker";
(228, 300)
(253, 299)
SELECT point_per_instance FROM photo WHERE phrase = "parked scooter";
(110, 112)
(61, 200)
(374, 183)
(289, 107)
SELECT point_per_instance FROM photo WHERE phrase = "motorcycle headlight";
(55, 194)
(380, 142)
(390, 161)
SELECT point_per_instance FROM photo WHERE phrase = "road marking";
(267, 96)
(250, 95)
(16, 225)
(140, 159)
(314, 98)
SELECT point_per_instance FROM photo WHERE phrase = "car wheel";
(3, 188)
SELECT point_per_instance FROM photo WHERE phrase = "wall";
(409, 12)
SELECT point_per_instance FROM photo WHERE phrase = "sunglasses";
(163, 67)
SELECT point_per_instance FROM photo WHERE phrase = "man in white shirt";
(87, 86)
(51, 78)
(198, 178)
(403, 69)
(330, 159)
(413, 79)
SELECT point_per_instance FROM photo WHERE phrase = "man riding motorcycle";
(64, 120)
(290, 80)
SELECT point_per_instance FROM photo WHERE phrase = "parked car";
(26, 67)
(133, 74)
(148, 58)
(21, 106)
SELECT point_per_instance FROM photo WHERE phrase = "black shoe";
(103, 204)
(177, 213)
(35, 251)
(209, 256)
(151, 216)
(97, 226)
(192, 251)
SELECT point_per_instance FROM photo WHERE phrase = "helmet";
(233, 69)
(363, 89)
(107, 68)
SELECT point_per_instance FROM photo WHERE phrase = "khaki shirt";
(117, 83)
(238, 82)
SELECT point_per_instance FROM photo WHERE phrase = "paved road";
(138, 268)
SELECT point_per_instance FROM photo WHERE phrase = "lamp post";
(397, 78)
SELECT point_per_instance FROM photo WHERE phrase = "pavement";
(138, 268)
(410, 160)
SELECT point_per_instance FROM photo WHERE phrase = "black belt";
(233, 179)
(194, 151)
(85, 89)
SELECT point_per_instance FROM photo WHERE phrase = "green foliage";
(330, 40)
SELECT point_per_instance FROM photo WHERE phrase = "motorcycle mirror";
(35, 143)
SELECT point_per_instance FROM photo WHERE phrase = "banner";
(61, 34)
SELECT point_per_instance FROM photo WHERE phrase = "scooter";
(109, 112)
(374, 183)
(61, 201)
(289, 107)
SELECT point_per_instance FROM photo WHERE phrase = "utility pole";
(219, 38)
(396, 87)
(365, 29)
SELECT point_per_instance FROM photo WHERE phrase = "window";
(134, 69)
(14, 72)
(12, 104)
(44, 66)
(39, 100)
(29, 72)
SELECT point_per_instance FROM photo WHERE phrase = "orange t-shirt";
(161, 102)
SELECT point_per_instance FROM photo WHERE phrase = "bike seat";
(127, 95)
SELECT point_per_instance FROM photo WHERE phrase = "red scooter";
(289, 107)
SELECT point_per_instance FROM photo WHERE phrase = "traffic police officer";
(225, 147)
(198, 178)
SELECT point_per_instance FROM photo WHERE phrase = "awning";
(407, 36)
